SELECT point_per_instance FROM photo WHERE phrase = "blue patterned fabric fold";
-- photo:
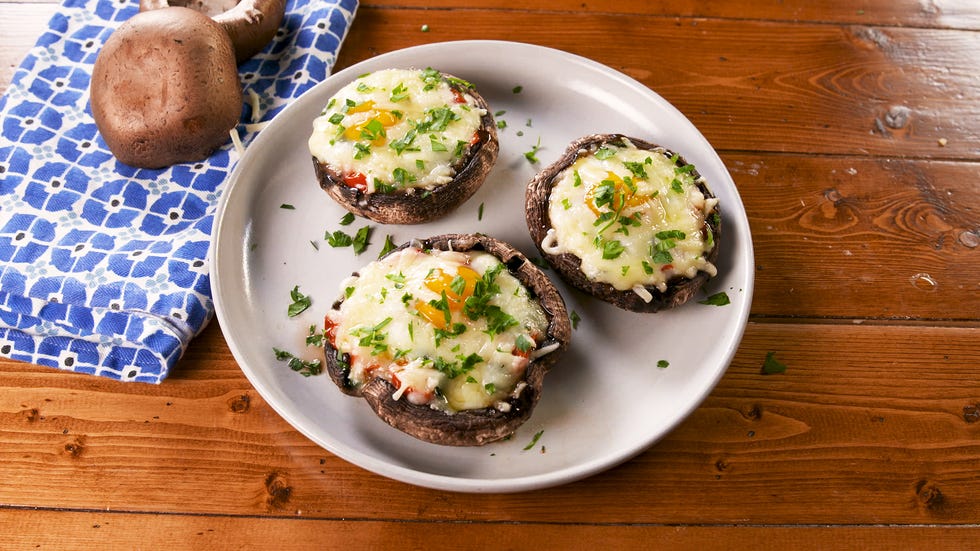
(104, 267)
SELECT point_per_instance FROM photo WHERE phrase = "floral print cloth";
(104, 267)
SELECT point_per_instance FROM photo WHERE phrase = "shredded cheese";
(408, 319)
(633, 216)
(401, 129)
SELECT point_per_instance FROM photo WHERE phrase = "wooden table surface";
(852, 130)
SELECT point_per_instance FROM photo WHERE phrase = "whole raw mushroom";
(165, 88)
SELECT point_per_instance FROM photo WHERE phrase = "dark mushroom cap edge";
(537, 198)
(469, 427)
(416, 205)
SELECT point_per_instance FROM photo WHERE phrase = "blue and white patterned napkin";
(104, 267)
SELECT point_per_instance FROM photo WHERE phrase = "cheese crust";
(397, 129)
(451, 330)
(635, 217)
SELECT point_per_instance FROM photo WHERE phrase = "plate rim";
(568, 474)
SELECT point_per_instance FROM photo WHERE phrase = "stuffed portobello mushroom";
(448, 338)
(402, 146)
(626, 221)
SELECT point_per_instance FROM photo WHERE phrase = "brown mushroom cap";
(469, 427)
(165, 88)
(537, 199)
(415, 205)
(250, 24)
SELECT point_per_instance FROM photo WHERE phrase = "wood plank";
(760, 86)
(25, 529)
(860, 230)
(957, 14)
(860, 429)
(766, 86)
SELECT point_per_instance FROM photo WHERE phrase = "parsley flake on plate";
(299, 304)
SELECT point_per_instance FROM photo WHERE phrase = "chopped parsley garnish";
(661, 257)
(373, 337)
(436, 120)
(497, 320)
(402, 177)
(314, 337)
(300, 302)
(517, 89)
(398, 279)
(338, 239)
(611, 249)
(360, 241)
(404, 143)
(399, 93)
(459, 149)
(467, 363)
(604, 153)
(637, 169)
(671, 234)
(523, 344)
(455, 369)
(431, 78)
(772, 366)
(361, 151)
(373, 130)
(479, 212)
(347, 219)
(676, 186)
(436, 144)
(388, 246)
(575, 318)
(717, 299)
(534, 440)
(663, 364)
(304, 368)
(660, 251)
(485, 288)
(531, 155)
(287, 206)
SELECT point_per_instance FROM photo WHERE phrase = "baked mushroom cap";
(165, 88)
(250, 24)
(468, 427)
(413, 205)
(679, 289)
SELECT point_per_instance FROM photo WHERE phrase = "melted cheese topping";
(452, 330)
(396, 129)
(633, 216)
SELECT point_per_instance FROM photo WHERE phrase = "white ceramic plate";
(606, 400)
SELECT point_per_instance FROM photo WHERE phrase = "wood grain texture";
(860, 429)
(751, 85)
(48, 530)
(961, 14)
(829, 116)
(862, 238)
